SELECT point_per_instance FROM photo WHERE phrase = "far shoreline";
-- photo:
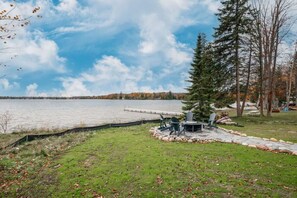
(114, 96)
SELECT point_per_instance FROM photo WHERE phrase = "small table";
(193, 126)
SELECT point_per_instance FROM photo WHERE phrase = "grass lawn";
(280, 126)
(128, 162)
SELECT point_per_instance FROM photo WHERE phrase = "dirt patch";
(90, 161)
(292, 132)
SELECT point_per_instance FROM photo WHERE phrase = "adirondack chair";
(163, 125)
(211, 121)
(189, 116)
(175, 127)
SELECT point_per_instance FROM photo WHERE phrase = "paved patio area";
(228, 136)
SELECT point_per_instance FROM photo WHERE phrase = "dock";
(171, 113)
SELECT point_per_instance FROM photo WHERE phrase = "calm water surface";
(28, 114)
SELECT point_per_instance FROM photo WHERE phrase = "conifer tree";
(229, 40)
(201, 92)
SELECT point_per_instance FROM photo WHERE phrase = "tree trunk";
(295, 69)
(238, 110)
(247, 80)
(272, 77)
(289, 85)
(260, 56)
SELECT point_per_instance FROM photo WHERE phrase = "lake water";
(28, 114)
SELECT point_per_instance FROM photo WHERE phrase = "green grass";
(20, 164)
(128, 162)
(281, 126)
(8, 138)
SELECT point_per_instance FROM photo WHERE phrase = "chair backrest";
(189, 116)
(175, 123)
(212, 118)
(162, 122)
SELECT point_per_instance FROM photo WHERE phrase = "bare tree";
(5, 119)
(273, 23)
(295, 70)
(10, 22)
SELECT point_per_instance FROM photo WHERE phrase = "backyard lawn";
(280, 126)
(128, 162)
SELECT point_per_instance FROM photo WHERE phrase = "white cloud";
(30, 50)
(157, 52)
(212, 5)
(109, 75)
(33, 52)
(69, 6)
(74, 87)
(31, 89)
(6, 85)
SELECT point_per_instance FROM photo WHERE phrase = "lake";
(49, 114)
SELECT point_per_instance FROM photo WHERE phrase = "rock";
(290, 142)
(262, 147)
(190, 141)
(252, 146)
(165, 139)
(243, 135)
(244, 144)
(294, 153)
(266, 139)
(184, 138)
(236, 142)
(273, 139)
(178, 139)
(282, 141)
(284, 150)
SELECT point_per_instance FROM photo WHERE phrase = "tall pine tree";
(229, 41)
(203, 84)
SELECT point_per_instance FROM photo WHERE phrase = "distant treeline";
(115, 96)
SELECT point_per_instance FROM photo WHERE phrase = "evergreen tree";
(202, 89)
(229, 41)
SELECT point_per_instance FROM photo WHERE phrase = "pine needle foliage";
(203, 80)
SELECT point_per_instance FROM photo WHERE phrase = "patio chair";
(163, 125)
(211, 121)
(175, 126)
(189, 116)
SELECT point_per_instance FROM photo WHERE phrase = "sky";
(96, 47)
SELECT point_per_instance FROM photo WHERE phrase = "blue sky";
(95, 47)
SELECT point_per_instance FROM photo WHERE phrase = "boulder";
(165, 139)
(284, 150)
(262, 147)
(178, 139)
